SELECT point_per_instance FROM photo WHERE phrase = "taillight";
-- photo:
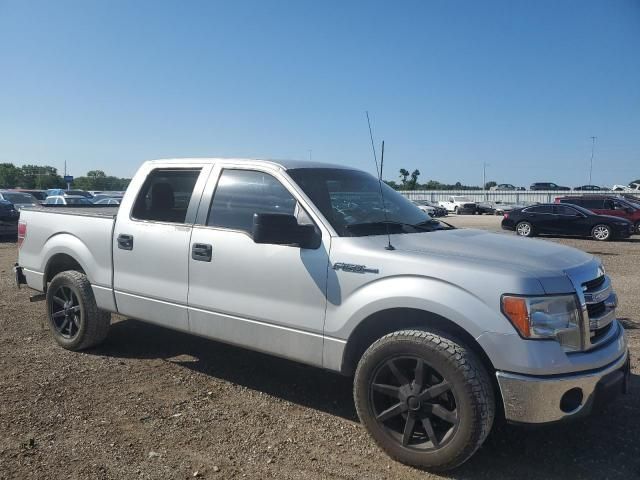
(22, 232)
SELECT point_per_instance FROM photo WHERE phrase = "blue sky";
(520, 85)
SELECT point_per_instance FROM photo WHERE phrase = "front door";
(270, 298)
(151, 245)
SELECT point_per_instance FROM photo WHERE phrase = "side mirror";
(279, 229)
(629, 210)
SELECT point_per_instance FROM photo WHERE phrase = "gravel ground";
(154, 404)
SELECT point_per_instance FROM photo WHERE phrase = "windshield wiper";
(422, 226)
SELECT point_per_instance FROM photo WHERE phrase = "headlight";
(555, 318)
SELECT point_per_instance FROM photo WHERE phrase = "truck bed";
(83, 233)
(109, 212)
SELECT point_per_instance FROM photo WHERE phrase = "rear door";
(151, 244)
(270, 298)
(541, 217)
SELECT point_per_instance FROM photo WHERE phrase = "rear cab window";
(166, 195)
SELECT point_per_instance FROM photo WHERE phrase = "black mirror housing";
(282, 229)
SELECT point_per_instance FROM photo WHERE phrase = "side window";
(539, 209)
(564, 210)
(165, 195)
(608, 205)
(241, 193)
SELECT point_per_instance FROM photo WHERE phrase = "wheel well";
(60, 262)
(381, 323)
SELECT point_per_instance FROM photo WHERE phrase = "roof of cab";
(285, 164)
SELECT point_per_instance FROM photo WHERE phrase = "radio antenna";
(379, 172)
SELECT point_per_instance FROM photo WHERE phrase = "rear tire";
(425, 399)
(637, 227)
(75, 320)
(601, 232)
(524, 229)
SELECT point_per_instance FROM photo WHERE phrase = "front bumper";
(533, 399)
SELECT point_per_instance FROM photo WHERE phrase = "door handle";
(125, 242)
(201, 252)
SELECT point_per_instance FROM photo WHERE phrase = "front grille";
(600, 303)
(593, 284)
(596, 309)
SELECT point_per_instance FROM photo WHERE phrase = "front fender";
(421, 293)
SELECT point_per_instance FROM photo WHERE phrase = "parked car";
(106, 196)
(547, 186)
(560, 219)
(607, 205)
(589, 188)
(8, 219)
(485, 208)
(503, 186)
(442, 328)
(432, 208)
(40, 195)
(72, 200)
(502, 207)
(20, 200)
(107, 201)
(59, 192)
(632, 187)
(459, 205)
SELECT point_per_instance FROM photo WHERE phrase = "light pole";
(484, 178)
(593, 145)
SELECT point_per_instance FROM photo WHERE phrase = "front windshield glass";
(350, 201)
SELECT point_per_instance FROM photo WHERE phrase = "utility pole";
(593, 145)
(484, 178)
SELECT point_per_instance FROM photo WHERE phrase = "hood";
(503, 250)
(477, 252)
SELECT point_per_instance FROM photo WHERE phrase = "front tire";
(601, 232)
(75, 320)
(426, 399)
(637, 227)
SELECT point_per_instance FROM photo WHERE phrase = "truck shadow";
(602, 446)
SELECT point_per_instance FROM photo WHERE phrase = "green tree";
(413, 183)
(9, 175)
(41, 177)
(490, 184)
(392, 184)
(404, 174)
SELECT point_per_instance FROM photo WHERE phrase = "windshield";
(350, 201)
(461, 199)
(19, 197)
(78, 201)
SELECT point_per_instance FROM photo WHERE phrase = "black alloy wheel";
(65, 312)
(413, 403)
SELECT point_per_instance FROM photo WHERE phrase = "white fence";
(514, 196)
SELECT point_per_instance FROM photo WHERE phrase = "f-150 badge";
(349, 267)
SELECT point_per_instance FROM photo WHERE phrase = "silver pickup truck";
(442, 328)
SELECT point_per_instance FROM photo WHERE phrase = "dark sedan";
(547, 186)
(8, 219)
(565, 220)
